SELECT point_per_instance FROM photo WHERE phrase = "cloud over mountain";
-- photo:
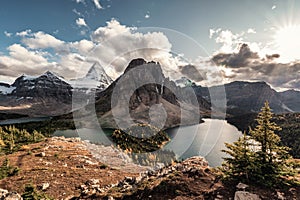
(113, 45)
(248, 65)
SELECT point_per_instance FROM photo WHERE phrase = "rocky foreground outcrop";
(68, 168)
(186, 180)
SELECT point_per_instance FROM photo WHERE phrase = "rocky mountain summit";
(144, 95)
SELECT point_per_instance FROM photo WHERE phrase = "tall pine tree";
(270, 158)
(258, 158)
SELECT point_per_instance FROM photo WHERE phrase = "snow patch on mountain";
(6, 90)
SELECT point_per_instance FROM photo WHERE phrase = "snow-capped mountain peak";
(96, 72)
(96, 77)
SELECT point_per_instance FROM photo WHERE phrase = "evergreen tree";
(240, 164)
(270, 158)
(258, 158)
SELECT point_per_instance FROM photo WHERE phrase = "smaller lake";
(23, 120)
(206, 139)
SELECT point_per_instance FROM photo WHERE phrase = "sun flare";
(287, 40)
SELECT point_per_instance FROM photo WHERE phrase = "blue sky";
(192, 17)
(220, 27)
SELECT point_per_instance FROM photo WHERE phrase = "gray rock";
(3, 193)
(13, 196)
(242, 195)
(241, 186)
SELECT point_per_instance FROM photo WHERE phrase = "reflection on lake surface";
(206, 139)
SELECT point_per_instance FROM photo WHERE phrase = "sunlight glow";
(287, 40)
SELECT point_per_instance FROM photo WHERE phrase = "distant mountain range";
(51, 95)
(41, 95)
(248, 97)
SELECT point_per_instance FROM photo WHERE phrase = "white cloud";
(147, 16)
(7, 34)
(227, 39)
(81, 22)
(112, 29)
(251, 30)
(212, 32)
(80, 1)
(230, 41)
(22, 60)
(113, 45)
(83, 46)
(97, 4)
(119, 44)
(24, 33)
(41, 40)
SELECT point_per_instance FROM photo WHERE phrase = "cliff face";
(144, 95)
(47, 86)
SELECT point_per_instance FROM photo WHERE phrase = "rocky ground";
(191, 179)
(63, 164)
(73, 169)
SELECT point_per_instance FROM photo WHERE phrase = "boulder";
(242, 195)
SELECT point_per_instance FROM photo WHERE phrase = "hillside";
(68, 169)
(64, 165)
